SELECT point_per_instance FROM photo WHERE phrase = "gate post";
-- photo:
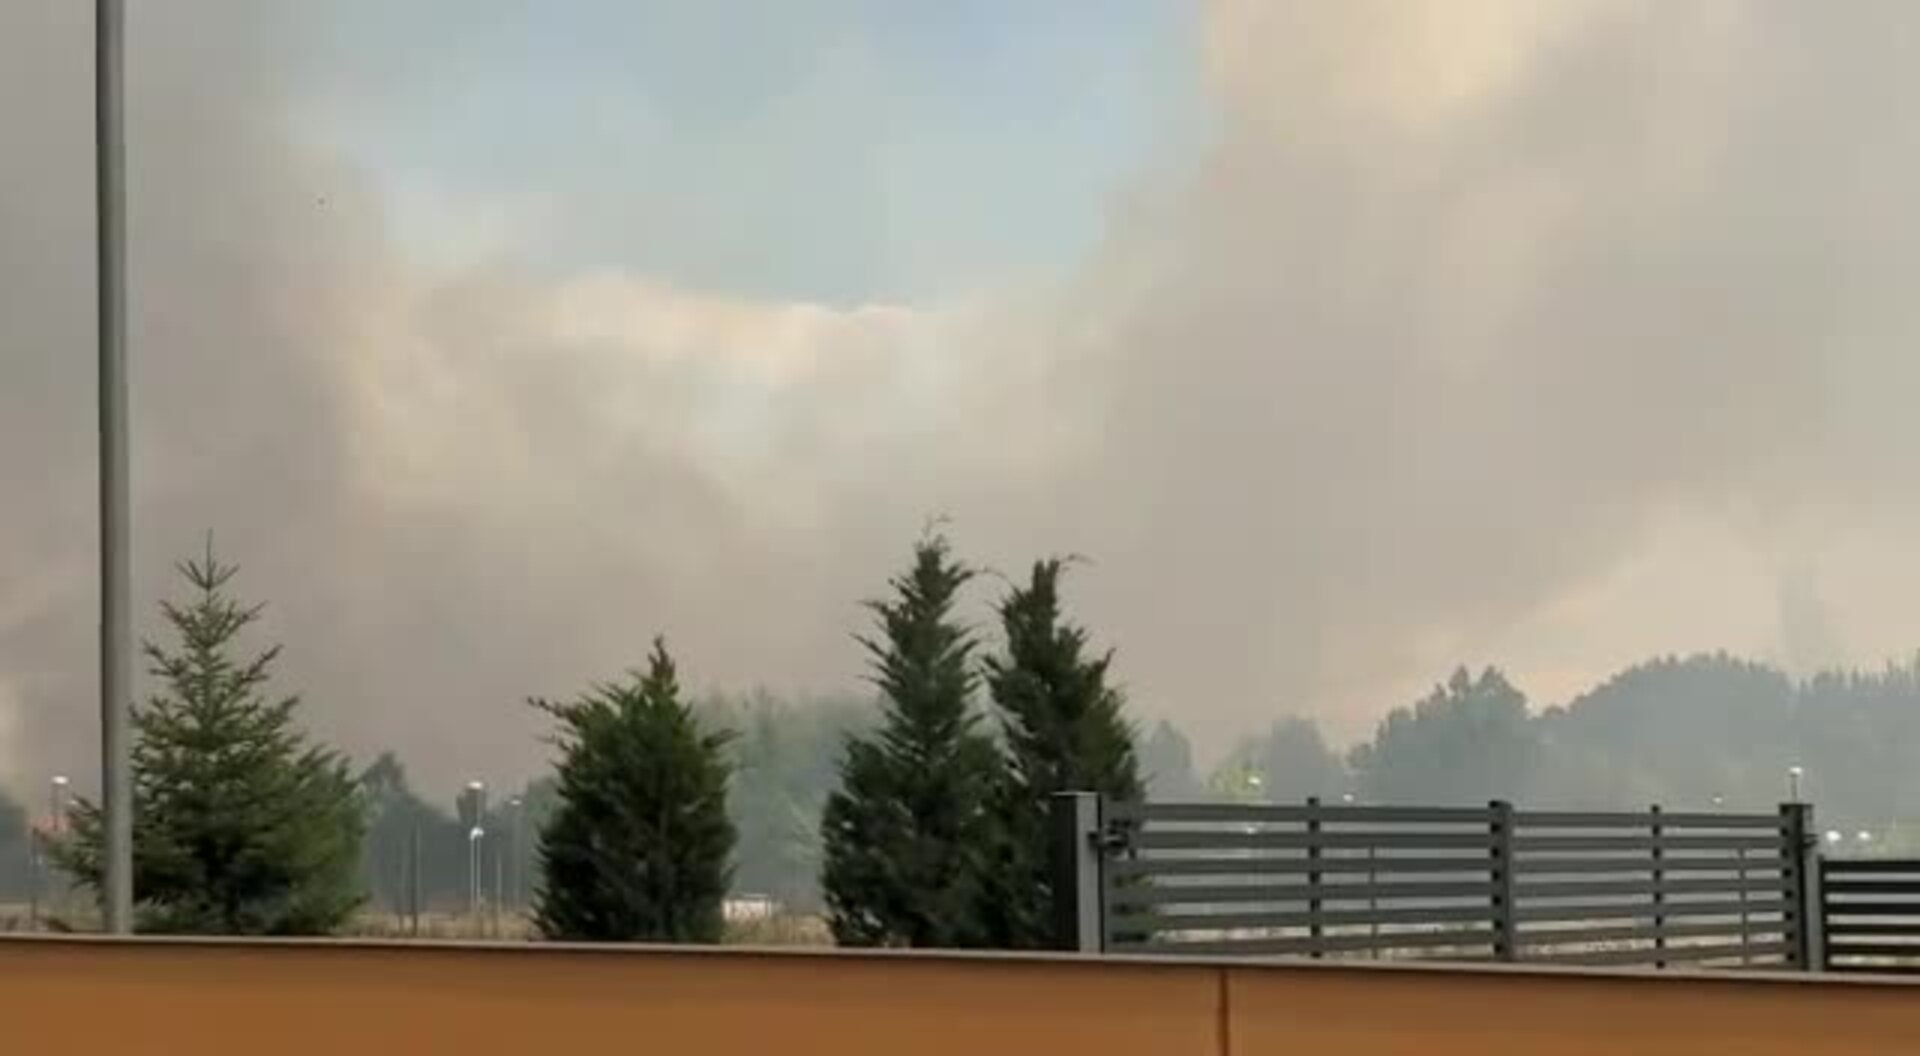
(1077, 859)
(1800, 860)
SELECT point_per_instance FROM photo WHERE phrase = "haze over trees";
(242, 824)
(1469, 741)
(919, 822)
(1166, 764)
(639, 844)
(1293, 762)
(784, 755)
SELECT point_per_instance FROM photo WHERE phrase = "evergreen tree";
(1469, 741)
(1063, 730)
(638, 844)
(908, 836)
(16, 849)
(1167, 758)
(241, 825)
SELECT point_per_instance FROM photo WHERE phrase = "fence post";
(414, 885)
(1314, 930)
(1800, 859)
(1506, 935)
(1659, 895)
(1077, 861)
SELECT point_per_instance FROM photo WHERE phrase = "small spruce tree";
(908, 835)
(241, 825)
(637, 847)
(1064, 731)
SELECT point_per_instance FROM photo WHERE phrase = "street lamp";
(477, 803)
(474, 836)
(39, 860)
(57, 801)
(57, 790)
(1794, 774)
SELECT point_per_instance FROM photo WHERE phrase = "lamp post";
(474, 836)
(57, 801)
(116, 621)
(476, 832)
(39, 862)
(1794, 774)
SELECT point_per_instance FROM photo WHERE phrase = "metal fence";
(1476, 883)
(1871, 913)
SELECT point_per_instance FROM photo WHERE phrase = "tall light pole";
(477, 797)
(43, 876)
(1794, 774)
(57, 801)
(116, 623)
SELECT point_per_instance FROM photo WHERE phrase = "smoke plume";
(1547, 335)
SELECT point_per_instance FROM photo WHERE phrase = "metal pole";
(56, 888)
(413, 879)
(116, 624)
(499, 885)
(33, 879)
(473, 873)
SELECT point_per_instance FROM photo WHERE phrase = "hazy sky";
(1348, 341)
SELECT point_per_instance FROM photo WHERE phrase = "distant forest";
(1698, 732)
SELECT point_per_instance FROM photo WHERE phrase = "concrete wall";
(212, 999)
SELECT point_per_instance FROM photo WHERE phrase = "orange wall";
(211, 999)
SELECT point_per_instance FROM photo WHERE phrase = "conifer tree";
(909, 833)
(242, 826)
(638, 846)
(1064, 731)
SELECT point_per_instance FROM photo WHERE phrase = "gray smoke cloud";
(1546, 335)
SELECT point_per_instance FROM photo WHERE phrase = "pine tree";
(1063, 729)
(241, 825)
(639, 842)
(908, 834)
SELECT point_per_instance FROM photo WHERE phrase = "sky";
(841, 151)
(1347, 342)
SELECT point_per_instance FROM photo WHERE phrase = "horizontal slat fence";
(1657, 888)
(1308, 880)
(1872, 913)
(1477, 883)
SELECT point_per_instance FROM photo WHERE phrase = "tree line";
(911, 819)
(245, 824)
